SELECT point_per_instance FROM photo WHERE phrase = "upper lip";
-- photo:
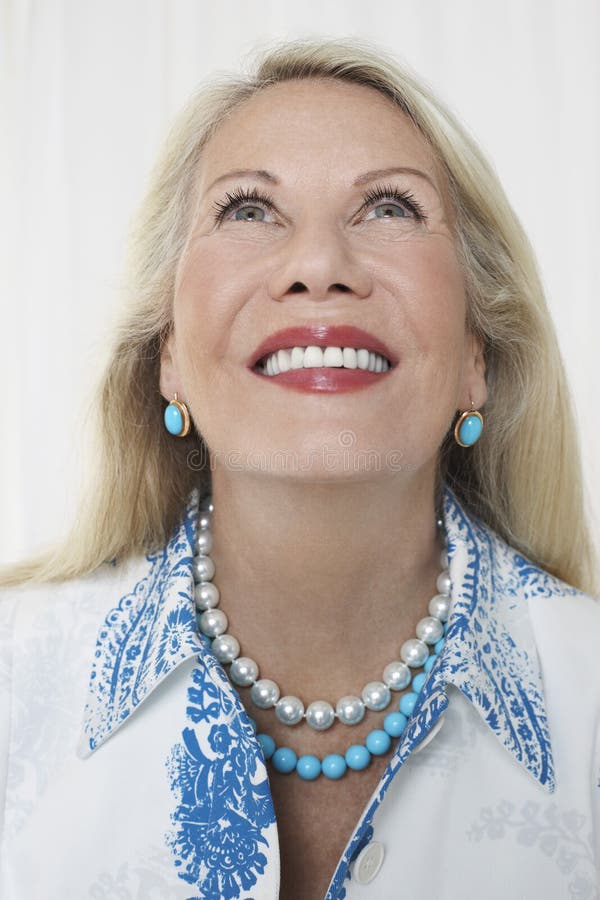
(322, 336)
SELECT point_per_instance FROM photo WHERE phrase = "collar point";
(85, 746)
(549, 785)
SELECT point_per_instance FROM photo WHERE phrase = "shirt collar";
(151, 630)
(489, 652)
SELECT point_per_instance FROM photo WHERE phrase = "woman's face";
(321, 254)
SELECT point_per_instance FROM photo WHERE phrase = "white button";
(431, 734)
(368, 862)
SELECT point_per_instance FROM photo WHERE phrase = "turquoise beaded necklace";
(226, 648)
(358, 756)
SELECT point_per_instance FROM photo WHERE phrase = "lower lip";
(325, 379)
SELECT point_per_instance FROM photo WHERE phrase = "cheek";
(203, 311)
(430, 325)
(435, 299)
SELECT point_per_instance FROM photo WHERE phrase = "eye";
(398, 204)
(240, 201)
(251, 204)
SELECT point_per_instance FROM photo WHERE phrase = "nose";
(317, 261)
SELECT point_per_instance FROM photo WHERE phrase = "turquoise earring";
(177, 418)
(468, 427)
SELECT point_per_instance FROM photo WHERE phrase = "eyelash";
(242, 196)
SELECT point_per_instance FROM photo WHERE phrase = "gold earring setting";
(468, 427)
(177, 418)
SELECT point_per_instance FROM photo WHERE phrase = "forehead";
(337, 126)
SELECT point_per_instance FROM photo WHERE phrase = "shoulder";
(565, 621)
(48, 638)
(33, 612)
(532, 581)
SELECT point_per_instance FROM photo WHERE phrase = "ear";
(474, 386)
(169, 381)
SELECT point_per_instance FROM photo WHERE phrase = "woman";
(335, 558)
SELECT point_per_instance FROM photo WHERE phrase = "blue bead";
(378, 742)
(284, 760)
(334, 766)
(430, 662)
(438, 645)
(308, 767)
(407, 703)
(394, 724)
(470, 430)
(357, 757)
(173, 419)
(418, 681)
(268, 745)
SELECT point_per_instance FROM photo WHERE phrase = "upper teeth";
(312, 357)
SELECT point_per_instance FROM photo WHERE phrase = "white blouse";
(129, 769)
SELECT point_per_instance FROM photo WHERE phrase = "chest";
(315, 821)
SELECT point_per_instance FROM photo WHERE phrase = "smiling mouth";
(314, 357)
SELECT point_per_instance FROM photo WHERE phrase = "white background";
(88, 90)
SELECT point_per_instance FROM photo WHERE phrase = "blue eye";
(388, 206)
(243, 200)
(394, 199)
(253, 210)
(240, 200)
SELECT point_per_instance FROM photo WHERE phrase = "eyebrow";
(365, 178)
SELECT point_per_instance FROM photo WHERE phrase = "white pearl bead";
(439, 606)
(265, 693)
(204, 520)
(289, 710)
(244, 671)
(213, 622)
(206, 595)
(397, 675)
(203, 542)
(320, 715)
(226, 648)
(203, 568)
(444, 582)
(376, 695)
(429, 629)
(350, 710)
(414, 652)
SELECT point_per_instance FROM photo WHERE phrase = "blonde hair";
(523, 477)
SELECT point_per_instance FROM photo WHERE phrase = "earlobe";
(474, 385)
(479, 361)
(169, 379)
(476, 349)
(480, 370)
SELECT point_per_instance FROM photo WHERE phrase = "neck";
(323, 582)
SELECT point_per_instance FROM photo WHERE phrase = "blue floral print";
(224, 803)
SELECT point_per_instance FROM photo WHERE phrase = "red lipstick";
(323, 378)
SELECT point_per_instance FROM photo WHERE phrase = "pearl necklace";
(320, 714)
